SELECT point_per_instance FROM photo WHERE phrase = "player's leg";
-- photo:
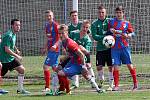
(116, 61)
(126, 59)
(110, 70)
(2, 91)
(100, 63)
(51, 60)
(21, 70)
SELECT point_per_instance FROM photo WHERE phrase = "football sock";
(116, 78)
(101, 75)
(75, 80)
(47, 78)
(111, 79)
(66, 84)
(133, 74)
(20, 81)
(61, 83)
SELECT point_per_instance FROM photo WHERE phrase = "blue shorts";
(121, 56)
(51, 59)
(72, 69)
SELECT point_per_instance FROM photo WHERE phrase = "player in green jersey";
(10, 56)
(99, 29)
(82, 38)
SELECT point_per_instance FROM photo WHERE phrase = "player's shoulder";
(75, 31)
(94, 21)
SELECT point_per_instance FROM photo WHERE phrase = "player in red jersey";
(51, 45)
(76, 65)
(122, 31)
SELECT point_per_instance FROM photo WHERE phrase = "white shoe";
(109, 89)
(46, 90)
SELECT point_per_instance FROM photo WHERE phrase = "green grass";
(37, 95)
(34, 70)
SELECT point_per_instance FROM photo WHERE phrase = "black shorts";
(103, 57)
(9, 66)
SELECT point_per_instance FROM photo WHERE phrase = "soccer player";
(77, 63)
(10, 56)
(51, 45)
(122, 31)
(99, 30)
(75, 24)
(81, 37)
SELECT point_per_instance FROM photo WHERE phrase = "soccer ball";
(109, 41)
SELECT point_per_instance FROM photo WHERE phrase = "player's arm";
(17, 51)
(81, 55)
(7, 49)
(94, 31)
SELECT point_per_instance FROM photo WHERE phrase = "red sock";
(133, 73)
(67, 84)
(116, 77)
(61, 83)
(47, 78)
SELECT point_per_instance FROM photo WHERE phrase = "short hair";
(48, 11)
(86, 22)
(101, 7)
(73, 11)
(63, 27)
(119, 8)
(13, 21)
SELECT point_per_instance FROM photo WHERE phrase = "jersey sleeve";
(8, 41)
(72, 46)
(130, 28)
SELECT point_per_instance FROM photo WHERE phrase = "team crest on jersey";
(124, 26)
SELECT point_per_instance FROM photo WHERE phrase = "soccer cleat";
(100, 90)
(73, 87)
(23, 92)
(135, 87)
(115, 89)
(100, 83)
(46, 90)
(3, 91)
(69, 93)
(58, 92)
(109, 89)
(49, 93)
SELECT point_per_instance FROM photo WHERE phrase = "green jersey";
(9, 40)
(72, 27)
(98, 30)
(85, 41)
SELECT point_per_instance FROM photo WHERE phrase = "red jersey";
(52, 34)
(122, 27)
(72, 47)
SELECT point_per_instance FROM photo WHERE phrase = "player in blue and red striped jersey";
(76, 65)
(122, 31)
(51, 45)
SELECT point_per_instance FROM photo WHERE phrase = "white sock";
(75, 80)
(101, 75)
(91, 71)
(92, 80)
(20, 81)
(111, 79)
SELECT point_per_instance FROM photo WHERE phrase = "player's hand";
(53, 48)
(19, 58)
(43, 51)
(112, 30)
(18, 52)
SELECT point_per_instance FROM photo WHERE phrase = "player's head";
(119, 11)
(49, 15)
(15, 25)
(63, 31)
(74, 17)
(85, 26)
(101, 12)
